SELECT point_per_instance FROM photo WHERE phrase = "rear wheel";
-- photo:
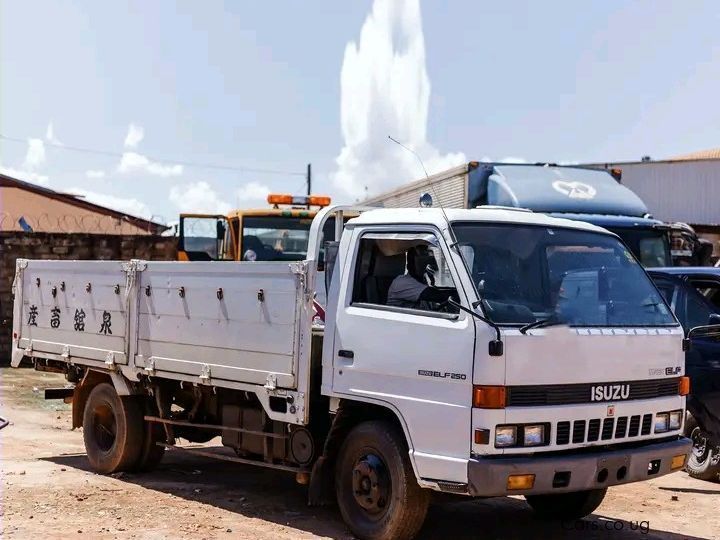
(151, 453)
(566, 506)
(112, 430)
(376, 489)
(704, 460)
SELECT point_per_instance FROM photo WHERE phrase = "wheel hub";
(371, 483)
(700, 447)
(105, 427)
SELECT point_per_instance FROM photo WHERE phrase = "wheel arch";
(89, 381)
(350, 413)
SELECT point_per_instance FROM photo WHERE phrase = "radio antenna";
(495, 347)
(432, 187)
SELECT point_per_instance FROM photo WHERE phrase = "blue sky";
(258, 85)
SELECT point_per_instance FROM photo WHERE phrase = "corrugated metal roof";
(713, 153)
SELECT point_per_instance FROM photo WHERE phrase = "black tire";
(704, 460)
(566, 506)
(112, 430)
(373, 466)
(153, 432)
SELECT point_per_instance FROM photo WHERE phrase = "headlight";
(534, 435)
(676, 418)
(662, 421)
(505, 436)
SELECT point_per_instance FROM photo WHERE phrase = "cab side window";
(698, 310)
(403, 271)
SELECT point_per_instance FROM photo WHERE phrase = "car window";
(403, 271)
(697, 310)
(710, 290)
(667, 290)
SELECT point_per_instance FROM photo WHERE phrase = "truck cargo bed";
(222, 322)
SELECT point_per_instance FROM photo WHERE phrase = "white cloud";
(35, 156)
(130, 206)
(133, 162)
(252, 195)
(95, 174)
(385, 90)
(50, 135)
(198, 197)
(513, 159)
(27, 176)
(134, 135)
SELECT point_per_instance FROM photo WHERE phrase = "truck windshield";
(650, 246)
(278, 238)
(528, 273)
(274, 238)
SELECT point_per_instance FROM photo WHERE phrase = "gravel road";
(48, 490)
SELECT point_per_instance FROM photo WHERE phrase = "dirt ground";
(48, 490)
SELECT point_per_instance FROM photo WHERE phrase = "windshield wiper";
(542, 323)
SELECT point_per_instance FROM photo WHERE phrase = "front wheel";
(704, 461)
(376, 490)
(566, 506)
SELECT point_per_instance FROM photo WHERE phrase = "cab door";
(416, 362)
(202, 237)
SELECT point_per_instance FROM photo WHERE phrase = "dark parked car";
(694, 295)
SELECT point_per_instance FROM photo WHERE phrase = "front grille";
(578, 431)
(606, 429)
(621, 427)
(647, 424)
(634, 426)
(563, 433)
(568, 394)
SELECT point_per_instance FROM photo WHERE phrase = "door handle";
(344, 353)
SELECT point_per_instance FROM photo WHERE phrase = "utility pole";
(309, 179)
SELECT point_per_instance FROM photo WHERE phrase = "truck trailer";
(580, 193)
(553, 370)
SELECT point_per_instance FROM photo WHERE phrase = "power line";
(160, 160)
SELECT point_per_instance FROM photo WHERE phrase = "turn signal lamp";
(678, 462)
(489, 397)
(684, 386)
(520, 481)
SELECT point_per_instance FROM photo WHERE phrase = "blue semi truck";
(578, 193)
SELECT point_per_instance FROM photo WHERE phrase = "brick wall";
(14, 245)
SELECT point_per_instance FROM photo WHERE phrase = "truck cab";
(277, 233)
(578, 193)
(510, 417)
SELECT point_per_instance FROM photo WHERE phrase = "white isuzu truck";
(552, 368)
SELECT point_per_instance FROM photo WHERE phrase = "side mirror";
(220, 230)
(714, 318)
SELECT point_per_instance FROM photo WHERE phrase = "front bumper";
(487, 477)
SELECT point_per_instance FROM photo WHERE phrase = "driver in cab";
(416, 288)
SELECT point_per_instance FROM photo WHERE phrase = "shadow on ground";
(274, 496)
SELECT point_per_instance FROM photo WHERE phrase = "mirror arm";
(495, 347)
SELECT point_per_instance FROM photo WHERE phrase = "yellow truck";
(277, 233)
